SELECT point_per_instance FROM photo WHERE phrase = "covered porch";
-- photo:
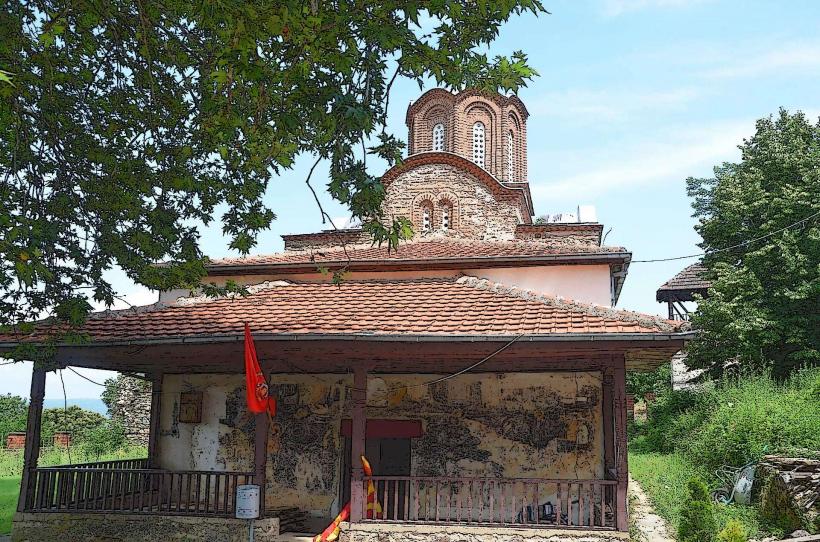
(477, 491)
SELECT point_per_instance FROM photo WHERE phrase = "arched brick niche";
(475, 205)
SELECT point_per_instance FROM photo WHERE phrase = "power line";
(743, 244)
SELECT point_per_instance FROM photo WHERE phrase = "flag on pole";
(256, 390)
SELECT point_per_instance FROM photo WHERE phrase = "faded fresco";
(516, 425)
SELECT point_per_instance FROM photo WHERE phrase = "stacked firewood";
(290, 519)
(797, 481)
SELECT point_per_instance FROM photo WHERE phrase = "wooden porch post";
(621, 466)
(32, 450)
(357, 443)
(154, 420)
(260, 459)
(608, 409)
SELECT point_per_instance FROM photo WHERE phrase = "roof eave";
(390, 337)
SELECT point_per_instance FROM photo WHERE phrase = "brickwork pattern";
(458, 113)
(476, 213)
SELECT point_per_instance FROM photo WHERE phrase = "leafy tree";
(13, 415)
(639, 383)
(127, 123)
(762, 309)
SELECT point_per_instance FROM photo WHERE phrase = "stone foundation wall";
(377, 532)
(32, 527)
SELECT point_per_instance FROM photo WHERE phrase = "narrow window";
(510, 156)
(445, 218)
(478, 143)
(426, 225)
(438, 137)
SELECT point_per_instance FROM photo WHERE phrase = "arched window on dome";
(438, 137)
(510, 156)
(478, 143)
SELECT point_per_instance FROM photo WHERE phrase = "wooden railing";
(110, 487)
(525, 502)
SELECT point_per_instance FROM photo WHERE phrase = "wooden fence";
(126, 486)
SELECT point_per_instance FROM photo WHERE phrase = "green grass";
(11, 468)
(9, 490)
(664, 476)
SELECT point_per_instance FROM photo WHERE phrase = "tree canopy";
(763, 309)
(124, 124)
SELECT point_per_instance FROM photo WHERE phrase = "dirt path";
(652, 526)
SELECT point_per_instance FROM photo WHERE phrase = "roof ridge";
(591, 309)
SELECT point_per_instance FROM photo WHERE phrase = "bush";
(733, 532)
(697, 519)
(735, 421)
(104, 439)
(13, 415)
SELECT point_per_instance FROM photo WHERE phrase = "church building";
(480, 368)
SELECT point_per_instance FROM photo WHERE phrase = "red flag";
(256, 388)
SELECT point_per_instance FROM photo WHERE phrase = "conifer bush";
(733, 532)
(697, 519)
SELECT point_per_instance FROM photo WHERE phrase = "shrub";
(697, 518)
(735, 421)
(733, 532)
(104, 439)
(13, 415)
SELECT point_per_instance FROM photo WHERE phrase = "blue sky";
(634, 96)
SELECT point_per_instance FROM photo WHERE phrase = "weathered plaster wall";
(223, 441)
(510, 425)
(515, 425)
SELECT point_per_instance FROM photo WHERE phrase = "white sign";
(247, 501)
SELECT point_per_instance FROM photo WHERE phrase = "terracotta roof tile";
(466, 306)
(426, 249)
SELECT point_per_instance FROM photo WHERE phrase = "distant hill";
(89, 403)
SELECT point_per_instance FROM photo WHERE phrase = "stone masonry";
(131, 406)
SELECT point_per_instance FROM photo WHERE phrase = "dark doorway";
(387, 457)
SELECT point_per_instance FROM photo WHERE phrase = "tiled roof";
(452, 307)
(429, 250)
(689, 281)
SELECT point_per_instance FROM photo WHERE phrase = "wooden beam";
(621, 466)
(154, 421)
(357, 443)
(260, 457)
(33, 425)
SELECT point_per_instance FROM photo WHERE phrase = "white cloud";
(604, 105)
(613, 8)
(789, 57)
(686, 151)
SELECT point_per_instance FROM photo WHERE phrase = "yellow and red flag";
(374, 509)
(256, 390)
